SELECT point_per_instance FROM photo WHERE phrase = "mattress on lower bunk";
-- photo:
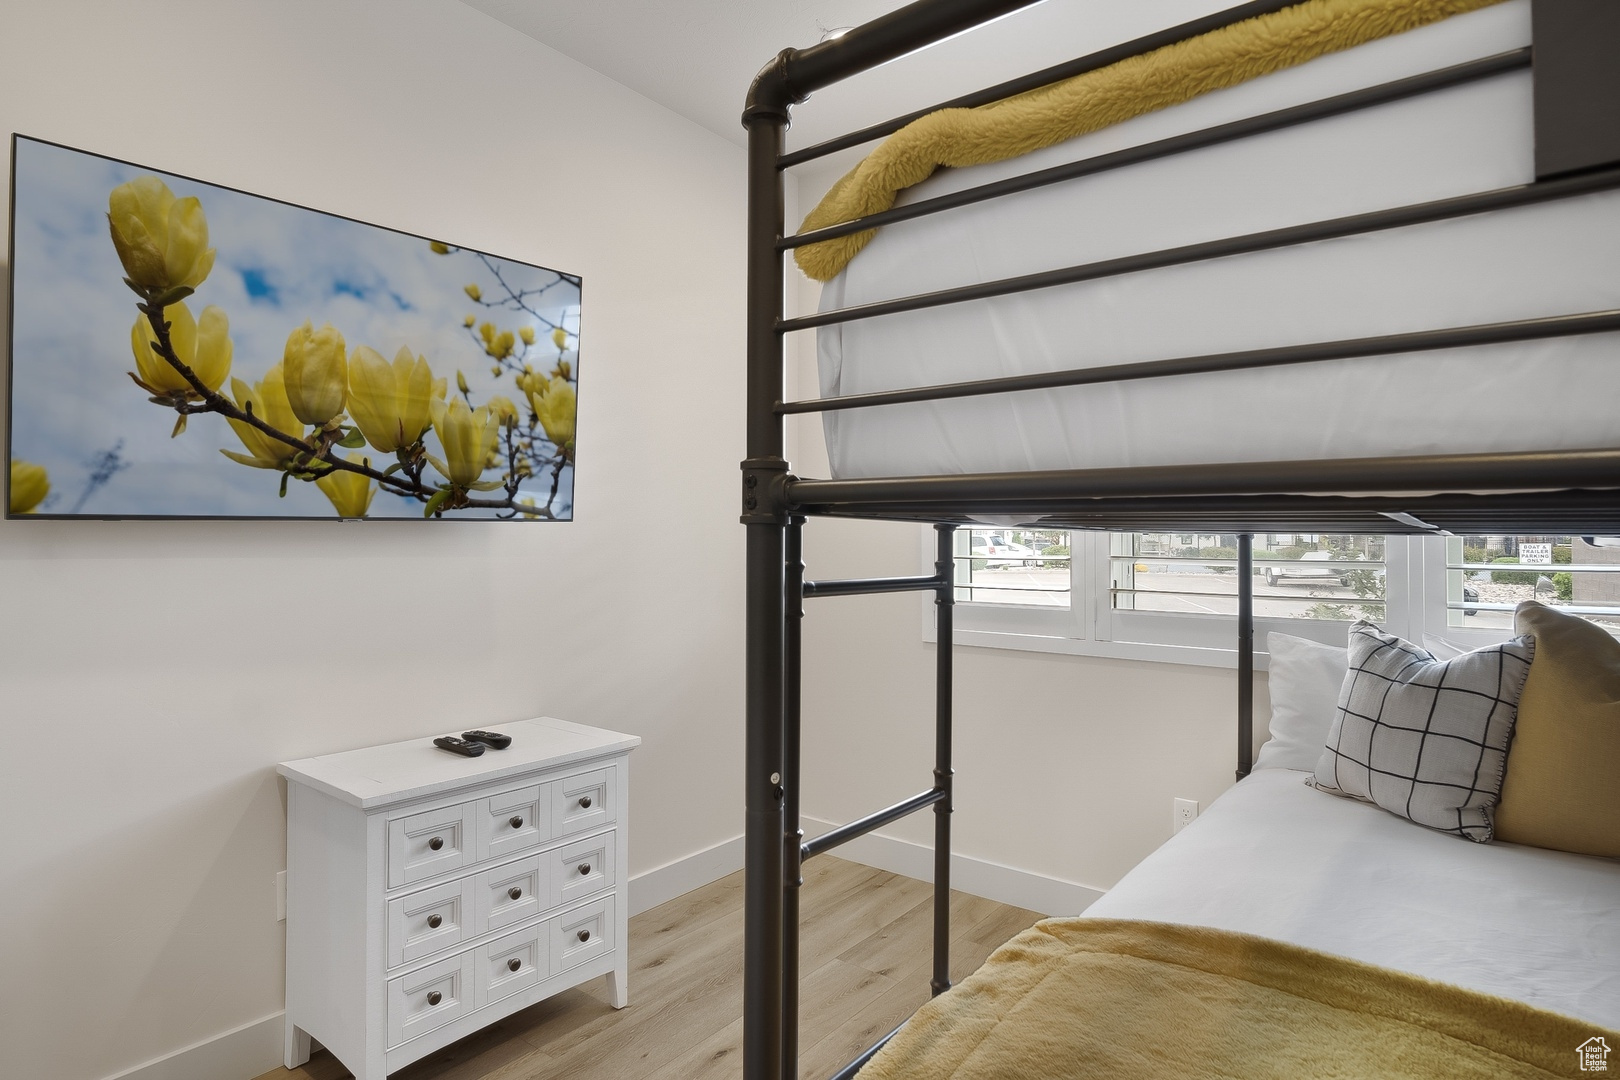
(1276, 858)
(1288, 932)
(1554, 258)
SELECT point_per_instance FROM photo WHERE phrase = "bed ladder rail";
(1245, 653)
(872, 586)
(795, 848)
(845, 833)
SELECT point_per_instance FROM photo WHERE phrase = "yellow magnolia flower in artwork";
(473, 291)
(468, 437)
(268, 402)
(469, 321)
(349, 492)
(555, 406)
(162, 241)
(29, 486)
(498, 344)
(502, 408)
(390, 403)
(528, 380)
(559, 338)
(461, 381)
(203, 346)
(316, 374)
(438, 248)
(527, 334)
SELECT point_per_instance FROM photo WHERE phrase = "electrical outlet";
(281, 896)
(1185, 811)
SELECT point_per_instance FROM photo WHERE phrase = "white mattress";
(1556, 258)
(1275, 858)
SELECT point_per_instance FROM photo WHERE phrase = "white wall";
(165, 667)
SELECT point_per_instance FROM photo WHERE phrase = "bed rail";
(1247, 244)
(1367, 98)
(1033, 81)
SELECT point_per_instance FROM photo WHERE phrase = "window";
(1483, 578)
(1173, 596)
(1005, 566)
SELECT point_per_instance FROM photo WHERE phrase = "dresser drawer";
(582, 868)
(514, 821)
(430, 920)
(581, 934)
(584, 801)
(511, 893)
(512, 963)
(428, 844)
(429, 998)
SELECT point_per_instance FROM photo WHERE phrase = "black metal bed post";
(1245, 653)
(764, 513)
(944, 609)
(793, 829)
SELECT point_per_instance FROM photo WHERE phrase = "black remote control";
(495, 739)
(458, 746)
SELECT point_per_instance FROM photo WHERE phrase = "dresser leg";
(618, 985)
(297, 1047)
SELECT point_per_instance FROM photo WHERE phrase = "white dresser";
(430, 894)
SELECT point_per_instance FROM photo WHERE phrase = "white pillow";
(1441, 649)
(1305, 680)
(1425, 739)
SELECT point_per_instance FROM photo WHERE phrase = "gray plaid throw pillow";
(1423, 738)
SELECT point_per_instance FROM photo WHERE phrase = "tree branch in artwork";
(324, 397)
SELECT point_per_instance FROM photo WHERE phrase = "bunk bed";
(891, 385)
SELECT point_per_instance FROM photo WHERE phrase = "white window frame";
(1415, 582)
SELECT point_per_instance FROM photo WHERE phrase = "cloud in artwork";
(276, 267)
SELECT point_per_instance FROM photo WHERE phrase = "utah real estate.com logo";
(1594, 1055)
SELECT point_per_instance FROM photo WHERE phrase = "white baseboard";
(239, 1054)
(1049, 896)
(652, 887)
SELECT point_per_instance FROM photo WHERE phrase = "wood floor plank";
(866, 940)
(1002, 925)
(833, 994)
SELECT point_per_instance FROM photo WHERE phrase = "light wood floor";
(865, 951)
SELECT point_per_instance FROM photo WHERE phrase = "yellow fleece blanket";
(1097, 99)
(1115, 999)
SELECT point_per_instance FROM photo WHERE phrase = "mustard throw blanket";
(1097, 99)
(1116, 999)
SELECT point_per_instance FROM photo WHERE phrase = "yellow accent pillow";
(1562, 785)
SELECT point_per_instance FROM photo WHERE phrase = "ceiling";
(697, 57)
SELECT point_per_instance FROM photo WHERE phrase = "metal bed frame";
(1558, 491)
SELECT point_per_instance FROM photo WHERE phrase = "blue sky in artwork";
(276, 267)
(258, 287)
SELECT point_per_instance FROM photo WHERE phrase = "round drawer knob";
(436, 843)
(585, 802)
(434, 997)
(584, 868)
(515, 893)
(513, 964)
(434, 921)
(584, 935)
(516, 823)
